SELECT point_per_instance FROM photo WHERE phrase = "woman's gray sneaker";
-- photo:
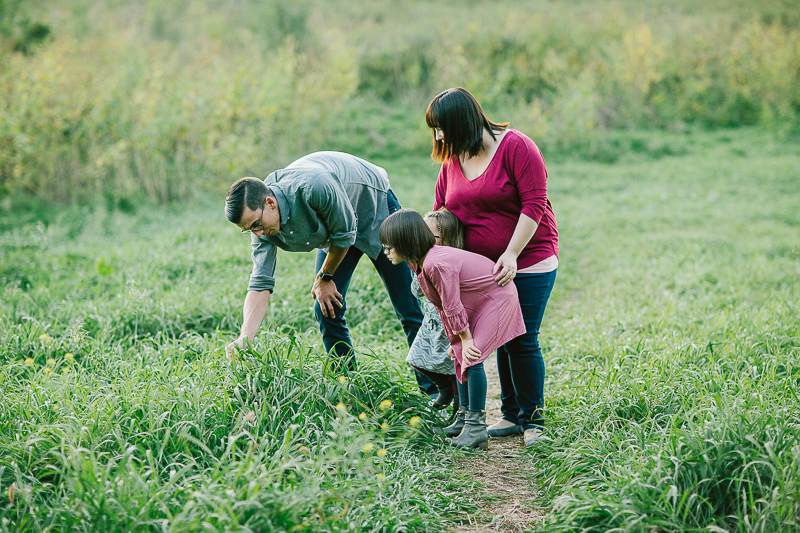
(532, 436)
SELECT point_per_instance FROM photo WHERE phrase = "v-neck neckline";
(491, 161)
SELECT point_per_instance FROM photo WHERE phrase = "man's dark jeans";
(519, 362)
(396, 279)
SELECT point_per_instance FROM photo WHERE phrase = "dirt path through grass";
(504, 471)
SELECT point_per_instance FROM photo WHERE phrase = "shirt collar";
(283, 203)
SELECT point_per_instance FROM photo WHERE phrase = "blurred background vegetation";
(132, 99)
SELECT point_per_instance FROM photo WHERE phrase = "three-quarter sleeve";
(528, 171)
(445, 280)
(329, 200)
(265, 254)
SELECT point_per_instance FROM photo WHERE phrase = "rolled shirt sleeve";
(264, 255)
(328, 199)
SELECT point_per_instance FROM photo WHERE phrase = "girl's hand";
(505, 268)
(469, 352)
(451, 352)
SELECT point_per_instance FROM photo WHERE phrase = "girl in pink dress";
(478, 315)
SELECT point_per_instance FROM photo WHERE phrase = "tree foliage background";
(164, 99)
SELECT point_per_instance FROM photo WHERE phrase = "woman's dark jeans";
(519, 362)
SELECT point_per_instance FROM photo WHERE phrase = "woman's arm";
(506, 266)
(529, 175)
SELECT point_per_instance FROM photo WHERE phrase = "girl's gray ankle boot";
(454, 429)
(474, 434)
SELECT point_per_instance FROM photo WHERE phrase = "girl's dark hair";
(462, 120)
(250, 192)
(408, 234)
(451, 230)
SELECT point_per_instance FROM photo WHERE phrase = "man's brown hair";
(250, 192)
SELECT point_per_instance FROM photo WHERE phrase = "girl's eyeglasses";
(387, 248)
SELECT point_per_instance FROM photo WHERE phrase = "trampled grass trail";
(672, 343)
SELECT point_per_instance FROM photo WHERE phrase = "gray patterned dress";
(429, 349)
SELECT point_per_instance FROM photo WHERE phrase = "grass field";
(672, 341)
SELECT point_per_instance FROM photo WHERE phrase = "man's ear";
(272, 203)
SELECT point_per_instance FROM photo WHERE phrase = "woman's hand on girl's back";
(505, 268)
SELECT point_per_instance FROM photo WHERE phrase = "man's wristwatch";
(324, 276)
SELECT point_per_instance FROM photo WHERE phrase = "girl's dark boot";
(445, 389)
(456, 427)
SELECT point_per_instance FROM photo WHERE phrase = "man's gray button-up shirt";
(324, 198)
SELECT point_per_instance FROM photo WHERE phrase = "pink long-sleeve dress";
(461, 286)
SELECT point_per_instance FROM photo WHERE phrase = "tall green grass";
(162, 435)
(674, 341)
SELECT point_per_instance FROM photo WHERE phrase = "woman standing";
(494, 180)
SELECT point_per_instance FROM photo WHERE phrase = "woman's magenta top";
(490, 205)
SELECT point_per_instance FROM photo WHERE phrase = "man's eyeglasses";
(387, 248)
(259, 227)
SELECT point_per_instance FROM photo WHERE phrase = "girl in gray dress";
(429, 351)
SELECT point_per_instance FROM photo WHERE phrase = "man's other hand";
(326, 294)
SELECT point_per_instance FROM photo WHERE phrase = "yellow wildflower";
(44, 337)
(415, 421)
(385, 404)
(362, 416)
(380, 476)
(342, 379)
(65, 370)
(368, 447)
(69, 357)
(382, 452)
(51, 361)
(46, 370)
(29, 361)
(342, 408)
(384, 425)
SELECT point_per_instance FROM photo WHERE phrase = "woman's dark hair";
(451, 230)
(408, 234)
(462, 120)
(250, 192)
